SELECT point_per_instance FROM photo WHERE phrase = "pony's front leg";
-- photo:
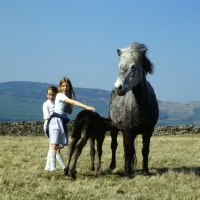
(99, 153)
(129, 151)
(145, 152)
(70, 153)
(114, 144)
(92, 153)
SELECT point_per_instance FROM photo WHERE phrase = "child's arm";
(76, 103)
(46, 113)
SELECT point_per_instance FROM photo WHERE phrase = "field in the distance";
(21, 109)
(174, 163)
(22, 101)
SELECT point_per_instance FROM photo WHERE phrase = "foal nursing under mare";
(133, 105)
(87, 125)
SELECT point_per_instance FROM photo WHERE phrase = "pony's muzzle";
(119, 90)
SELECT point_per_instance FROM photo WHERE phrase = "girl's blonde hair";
(71, 93)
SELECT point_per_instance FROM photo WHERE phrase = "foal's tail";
(134, 158)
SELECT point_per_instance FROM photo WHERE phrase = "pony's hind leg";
(70, 153)
(145, 152)
(114, 144)
(92, 153)
(78, 149)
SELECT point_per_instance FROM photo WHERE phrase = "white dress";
(57, 133)
(48, 109)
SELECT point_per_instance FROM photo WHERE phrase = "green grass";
(174, 163)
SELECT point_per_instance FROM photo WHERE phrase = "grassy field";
(174, 163)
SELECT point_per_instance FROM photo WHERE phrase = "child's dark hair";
(53, 89)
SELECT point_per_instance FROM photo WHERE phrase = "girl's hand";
(89, 108)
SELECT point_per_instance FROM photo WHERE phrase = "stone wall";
(35, 128)
(26, 128)
(176, 130)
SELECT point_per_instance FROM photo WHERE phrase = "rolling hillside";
(174, 113)
(22, 101)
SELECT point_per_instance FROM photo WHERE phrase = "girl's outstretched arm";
(76, 103)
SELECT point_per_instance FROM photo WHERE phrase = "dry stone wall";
(35, 128)
(27, 128)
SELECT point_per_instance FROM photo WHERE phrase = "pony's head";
(133, 67)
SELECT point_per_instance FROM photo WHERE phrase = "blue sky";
(42, 41)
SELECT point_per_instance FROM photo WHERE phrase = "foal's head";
(133, 67)
(107, 124)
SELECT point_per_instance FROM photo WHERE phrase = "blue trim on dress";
(63, 118)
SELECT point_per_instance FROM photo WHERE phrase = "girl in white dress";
(57, 123)
(48, 109)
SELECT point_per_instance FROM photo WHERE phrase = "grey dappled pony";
(133, 105)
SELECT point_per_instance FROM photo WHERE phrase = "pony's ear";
(119, 52)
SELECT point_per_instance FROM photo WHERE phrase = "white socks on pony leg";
(48, 164)
(60, 160)
(52, 155)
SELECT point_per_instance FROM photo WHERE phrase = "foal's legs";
(114, 144)
(145, 152)
(99, 153)
(77, 152)
(92, 153)
(70, 153)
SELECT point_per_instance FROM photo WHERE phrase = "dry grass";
(174, 162)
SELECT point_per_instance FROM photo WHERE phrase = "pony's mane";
(137, 52)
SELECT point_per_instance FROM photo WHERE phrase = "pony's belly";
(128, 115)
(128, 123)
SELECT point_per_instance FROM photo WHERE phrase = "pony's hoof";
(73, 176)
(66, 171)
(111, 167)
(146, 173)
(92, 169)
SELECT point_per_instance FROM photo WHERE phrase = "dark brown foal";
(87, 125)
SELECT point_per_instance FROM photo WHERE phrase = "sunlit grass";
(174, 163)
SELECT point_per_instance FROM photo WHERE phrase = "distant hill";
(37, 90)
(173, 113)
(22, 101)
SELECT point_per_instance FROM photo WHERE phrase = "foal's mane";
(138, 54)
